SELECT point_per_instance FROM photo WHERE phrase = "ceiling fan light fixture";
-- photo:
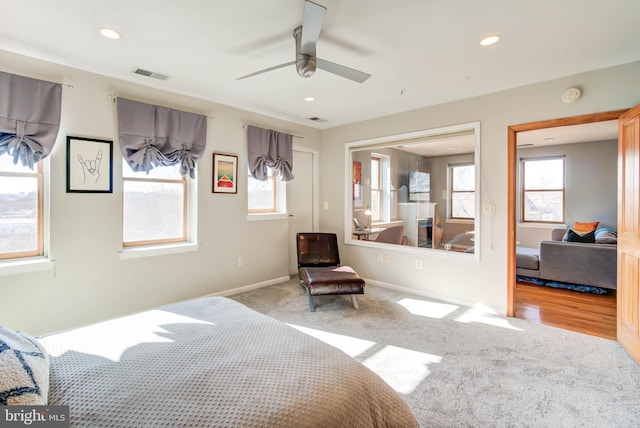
(490, 40)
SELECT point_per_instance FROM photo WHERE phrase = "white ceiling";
(419, 52)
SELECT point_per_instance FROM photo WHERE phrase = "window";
(543, 190)
(376, 188)
(21, 216)
(383, 197)
(462, 191)
(266, 197)
(154, 206)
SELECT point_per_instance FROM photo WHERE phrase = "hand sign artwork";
(89, 165)
(91, 168)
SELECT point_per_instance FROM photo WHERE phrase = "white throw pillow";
(24, 369)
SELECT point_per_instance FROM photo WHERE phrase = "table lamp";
(368, 213)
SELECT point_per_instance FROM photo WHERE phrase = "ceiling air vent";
(147, 73)
(317, 119)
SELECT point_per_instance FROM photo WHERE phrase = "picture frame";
(89, 165)
(357, 185)
(225, 173)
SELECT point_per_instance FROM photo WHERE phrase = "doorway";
(512, 187)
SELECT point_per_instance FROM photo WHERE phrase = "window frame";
(274, 186)
(523, 190)
(376, 188)
(279, 202)
(451, 191)
(185, 192)
(39, 251)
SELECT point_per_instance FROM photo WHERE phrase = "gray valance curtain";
(29, 117)
(152, 136)
(267, 148)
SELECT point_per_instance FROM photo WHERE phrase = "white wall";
(90, 281)
(455, 279)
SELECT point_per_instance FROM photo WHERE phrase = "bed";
(212, 362)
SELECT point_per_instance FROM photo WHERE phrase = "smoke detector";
(571, 95)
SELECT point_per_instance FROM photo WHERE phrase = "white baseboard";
(428, 295)
(232, 291)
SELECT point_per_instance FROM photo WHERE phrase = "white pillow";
(24, 369)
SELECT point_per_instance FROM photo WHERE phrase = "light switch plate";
(488, 209)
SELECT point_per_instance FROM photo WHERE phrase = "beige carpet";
(466, 367)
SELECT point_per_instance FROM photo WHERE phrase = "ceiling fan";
(306, 37)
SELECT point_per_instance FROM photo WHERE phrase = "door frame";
(512, 167)
(315, 210)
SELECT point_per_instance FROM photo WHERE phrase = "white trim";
(418, 251)
(542, 225)
(157, 250)
(232, 291)
(348, 202)
(266, 216)
(26, 265)
(459, 221)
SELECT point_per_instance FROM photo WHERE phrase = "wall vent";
(317, 119)
(147, 73)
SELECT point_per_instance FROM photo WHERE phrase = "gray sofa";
(572, 262)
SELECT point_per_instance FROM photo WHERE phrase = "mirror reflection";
(417, 190)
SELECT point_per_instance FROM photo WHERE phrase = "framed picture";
(89, 165)
(357, 184)
(225, 173)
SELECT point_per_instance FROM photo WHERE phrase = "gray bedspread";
(213, 362)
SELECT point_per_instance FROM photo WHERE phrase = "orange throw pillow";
(585, 227)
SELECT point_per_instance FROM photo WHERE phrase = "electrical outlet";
(325, 205)
(380, 257)
(418, 264)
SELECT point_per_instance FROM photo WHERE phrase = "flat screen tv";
(419, 186)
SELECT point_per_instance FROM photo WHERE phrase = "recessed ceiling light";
(309, 99)
(489, 40)
(109, 33)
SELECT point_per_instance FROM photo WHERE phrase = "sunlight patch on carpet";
(351, 346)
(403, 369)
(483, 314)
(427, 309)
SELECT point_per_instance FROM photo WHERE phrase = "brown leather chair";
(319, 269)
(391, 235)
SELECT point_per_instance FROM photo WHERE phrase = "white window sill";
(542, 225)
(157, 250)
(266, 216)
(459, 221)
(32, 264)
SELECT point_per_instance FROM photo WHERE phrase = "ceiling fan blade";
(275, 67)
(341, 70)
(312, 20)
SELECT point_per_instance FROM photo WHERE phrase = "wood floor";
(571, 310)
